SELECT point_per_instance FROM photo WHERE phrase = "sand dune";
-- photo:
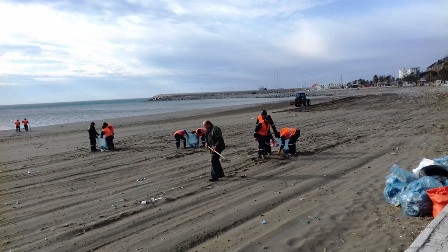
(57, 196)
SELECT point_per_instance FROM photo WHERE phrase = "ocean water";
(70, 112)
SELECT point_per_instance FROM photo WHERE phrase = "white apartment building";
(407, 71)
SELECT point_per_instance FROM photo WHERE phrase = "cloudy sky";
(56, 51)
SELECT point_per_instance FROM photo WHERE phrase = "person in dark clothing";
(263, 135)
(93, 135)
(215, 142)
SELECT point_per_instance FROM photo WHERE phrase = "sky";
(61, 51)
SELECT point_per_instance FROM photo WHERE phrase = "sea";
(44, 114)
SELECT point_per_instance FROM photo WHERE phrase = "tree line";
(429, 76)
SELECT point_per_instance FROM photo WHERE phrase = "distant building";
(408, 71)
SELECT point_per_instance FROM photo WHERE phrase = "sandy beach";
(57, 196)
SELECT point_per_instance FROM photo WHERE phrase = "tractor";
(301, 100)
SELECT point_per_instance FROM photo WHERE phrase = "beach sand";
(57, 196)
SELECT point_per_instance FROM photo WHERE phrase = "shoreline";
(314, 95)
(137, 120)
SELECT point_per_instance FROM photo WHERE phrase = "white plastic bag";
(423, 163)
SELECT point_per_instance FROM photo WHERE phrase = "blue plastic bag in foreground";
(396, 182)
(414, 200)
(443, 161)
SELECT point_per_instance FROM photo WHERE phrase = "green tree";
(431, 75)
(375, 79)
(443, 74)
(411, 78)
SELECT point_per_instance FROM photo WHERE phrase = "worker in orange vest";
(110, 127)
(288, 133)
(25, 124)
(261, 117)
(17, 123)
(107, 132)
(200, 132)
(262, 134)
(180, 135)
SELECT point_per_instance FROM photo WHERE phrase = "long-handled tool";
(216, 152)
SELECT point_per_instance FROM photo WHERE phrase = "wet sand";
(57, 196)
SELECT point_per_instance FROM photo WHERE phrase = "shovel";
(216, 152)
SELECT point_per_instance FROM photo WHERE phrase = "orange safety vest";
(260, 118)
(25, 122)
(180, 132)
(111, 128)
(287, 132)
(107, 132)
(17, 123)
(264, 128)
(203, 132)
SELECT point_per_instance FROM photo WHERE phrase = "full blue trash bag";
(396, 182)
(414, 200)
(445, 183)
(285, 148)
(443, 161)
(193, 140)
(102, 143)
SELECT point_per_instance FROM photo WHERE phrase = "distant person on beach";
(263, 135)
(180, 135)
(201, 132)
(107, 132)
(93, 135)
(288, 133)
(25, 124)
(17, 123)
(215, 142)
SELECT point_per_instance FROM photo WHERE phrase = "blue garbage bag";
(414, 200)
(443, 161)
(396, 182)
(285, 148)
(193, 140)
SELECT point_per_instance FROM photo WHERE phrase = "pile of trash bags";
(409, 189)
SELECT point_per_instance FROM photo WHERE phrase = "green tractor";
(301, 100)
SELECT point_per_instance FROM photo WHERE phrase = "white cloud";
(171, 43)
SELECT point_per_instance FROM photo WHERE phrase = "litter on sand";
(415, 190)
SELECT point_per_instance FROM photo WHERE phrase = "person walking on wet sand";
(93, 135)
(25, 124)
(17, 123)
(215, 142)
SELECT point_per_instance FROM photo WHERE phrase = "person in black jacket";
(93, 135)
(215, 142)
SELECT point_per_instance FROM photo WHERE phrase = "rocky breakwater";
(277, 93)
